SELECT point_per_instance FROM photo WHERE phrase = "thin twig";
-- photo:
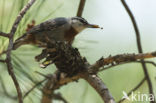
(71, 67)
(20, 16)
(118, 59)
(139, 47)
(134, 89)
(4, 34)
(10, 46)
(149, 62)
(54, 83)
(37, 84)
(81, 7)
(59, 79)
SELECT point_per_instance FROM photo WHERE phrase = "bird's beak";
(93, 26)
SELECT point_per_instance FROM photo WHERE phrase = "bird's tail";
(20, 41)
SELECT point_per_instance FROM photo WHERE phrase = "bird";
(58, 29)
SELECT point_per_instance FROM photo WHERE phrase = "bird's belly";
(43, 38)
(57, 36)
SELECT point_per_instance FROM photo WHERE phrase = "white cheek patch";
(77, 25)
(75, 21)
(80, 28)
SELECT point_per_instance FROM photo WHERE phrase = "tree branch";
(139, 47)
(20, 16)
(100, 87)
(37, 84)
(71, 67)
(81, 7)
(95, 82)
(54, 83)
(4, 34)
(149, 62)
(114, 60)
(10, 46)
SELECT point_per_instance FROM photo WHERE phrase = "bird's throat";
(70, 35)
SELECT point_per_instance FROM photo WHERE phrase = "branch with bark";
(4, 34)
(120, 59)
(72, 67)
(10, 46)
(81, 8)
(139, 46)
(113, 65)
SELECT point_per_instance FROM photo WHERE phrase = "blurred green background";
(117, 37)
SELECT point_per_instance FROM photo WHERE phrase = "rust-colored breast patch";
(70, 35)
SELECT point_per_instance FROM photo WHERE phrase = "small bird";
(58, 29)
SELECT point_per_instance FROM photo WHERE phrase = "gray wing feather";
(49, 25)
(53, 28)
(50, 28)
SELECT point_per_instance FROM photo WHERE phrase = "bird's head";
(79, 24)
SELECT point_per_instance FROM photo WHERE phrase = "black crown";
(80, 19)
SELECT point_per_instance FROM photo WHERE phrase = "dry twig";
(148, 62)
(10, 46)
(75, 67)
(138, 39)
(54, 84)
(36, 85)
(81, 7)
(118, 59)
(72, 67)
(4, 34)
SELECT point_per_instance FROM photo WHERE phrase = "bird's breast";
(70, 35)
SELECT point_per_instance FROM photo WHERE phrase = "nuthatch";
(58, 29)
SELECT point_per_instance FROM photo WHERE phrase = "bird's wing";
(49, 25)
